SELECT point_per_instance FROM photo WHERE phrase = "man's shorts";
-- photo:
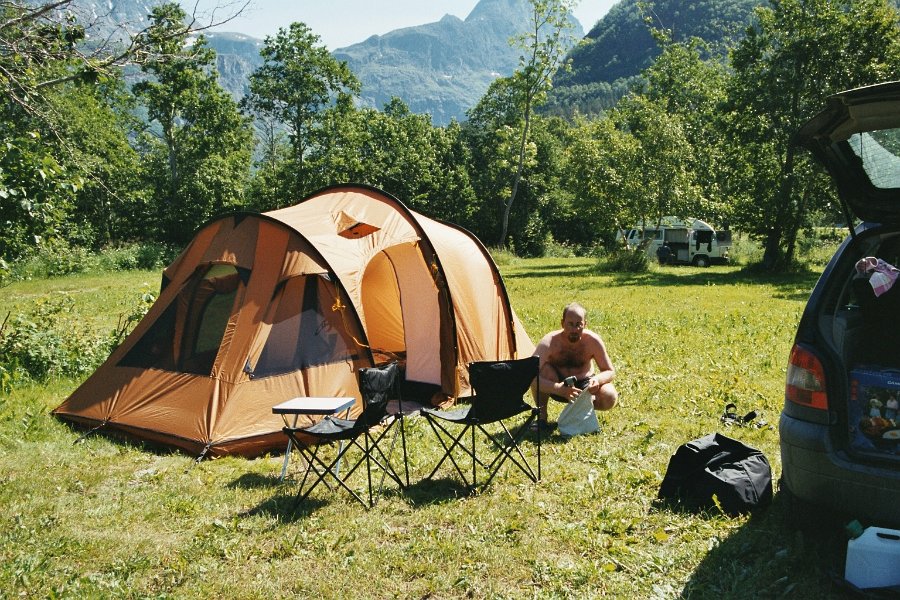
(579, 383)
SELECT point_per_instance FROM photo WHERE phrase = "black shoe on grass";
(542, 426)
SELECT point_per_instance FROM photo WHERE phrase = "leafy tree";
(543, 213)
(199, 152)
(400, 152)
(490, 135)
(544, 47)
(267, 190)
(685, 84)
(294, 86)
(36, 195)
(663, 161)
(36, 190)
(67, 163)
(543, 209)
(68, 169)
(95, 122)
(38, 50)
(423, 165)
(797, 53)
(37, 34)
(603, 172)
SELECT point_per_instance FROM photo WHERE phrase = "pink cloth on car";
(882, 275)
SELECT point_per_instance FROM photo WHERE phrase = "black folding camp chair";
(498, 390)
(378, 385)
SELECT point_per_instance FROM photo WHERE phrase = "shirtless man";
(571, 352)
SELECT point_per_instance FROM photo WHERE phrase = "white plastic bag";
(578, 417)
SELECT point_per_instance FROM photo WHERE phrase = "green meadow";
(101, 518)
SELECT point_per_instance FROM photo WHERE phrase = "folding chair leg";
(534, 416)
(448, 450)
(287, 458)
(322, 471)
(369, 467)
(388, 468)
(474, 463)
(510, 444)
(405, 455)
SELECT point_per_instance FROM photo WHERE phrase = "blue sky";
(343, 22)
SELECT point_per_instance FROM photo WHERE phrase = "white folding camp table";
(308, 406)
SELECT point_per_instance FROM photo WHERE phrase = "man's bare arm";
(605, 370)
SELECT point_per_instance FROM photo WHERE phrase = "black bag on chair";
(737, 475)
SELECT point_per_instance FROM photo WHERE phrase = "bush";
(624, 260)
(59, 259)
(745, 251)
(502, 256)
(554, 249)
(532, 241)
(49, 342)
(6, 273)
(596, 249)
(816, 246)
(155, 256)
(136, 256)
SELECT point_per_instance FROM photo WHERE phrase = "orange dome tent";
(260, 308)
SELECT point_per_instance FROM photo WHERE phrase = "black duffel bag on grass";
(738, 476)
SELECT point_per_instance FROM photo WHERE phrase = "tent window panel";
(212, 323)
(305, 331)
(187, 336)
(278, 353)
(156, 348)
(208, 314)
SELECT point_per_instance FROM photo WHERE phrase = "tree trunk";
(172, 158)
(786, 217)
(772, 252)
(504, 224)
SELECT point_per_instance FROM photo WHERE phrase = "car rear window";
(879, 152)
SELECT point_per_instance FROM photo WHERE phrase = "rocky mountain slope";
(442, 68)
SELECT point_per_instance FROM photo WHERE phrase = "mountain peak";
(490, 9)
(441, 68)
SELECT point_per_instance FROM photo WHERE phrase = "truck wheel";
(701, 261)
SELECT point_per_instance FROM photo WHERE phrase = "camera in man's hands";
(569, 381)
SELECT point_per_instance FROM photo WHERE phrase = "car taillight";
(805, 383)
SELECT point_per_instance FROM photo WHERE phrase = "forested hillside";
(608, 61)
(620, 45)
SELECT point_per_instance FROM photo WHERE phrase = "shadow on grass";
(252, 481)
(792, 286)
(671, 277)
(282, 505)
(557, 270)
(551, 438)
(118, 438)
(769, 557)
(429, 492)
(285, 507)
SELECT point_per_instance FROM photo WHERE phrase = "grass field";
(106, 519)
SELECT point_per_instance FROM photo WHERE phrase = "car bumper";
(814, 471)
